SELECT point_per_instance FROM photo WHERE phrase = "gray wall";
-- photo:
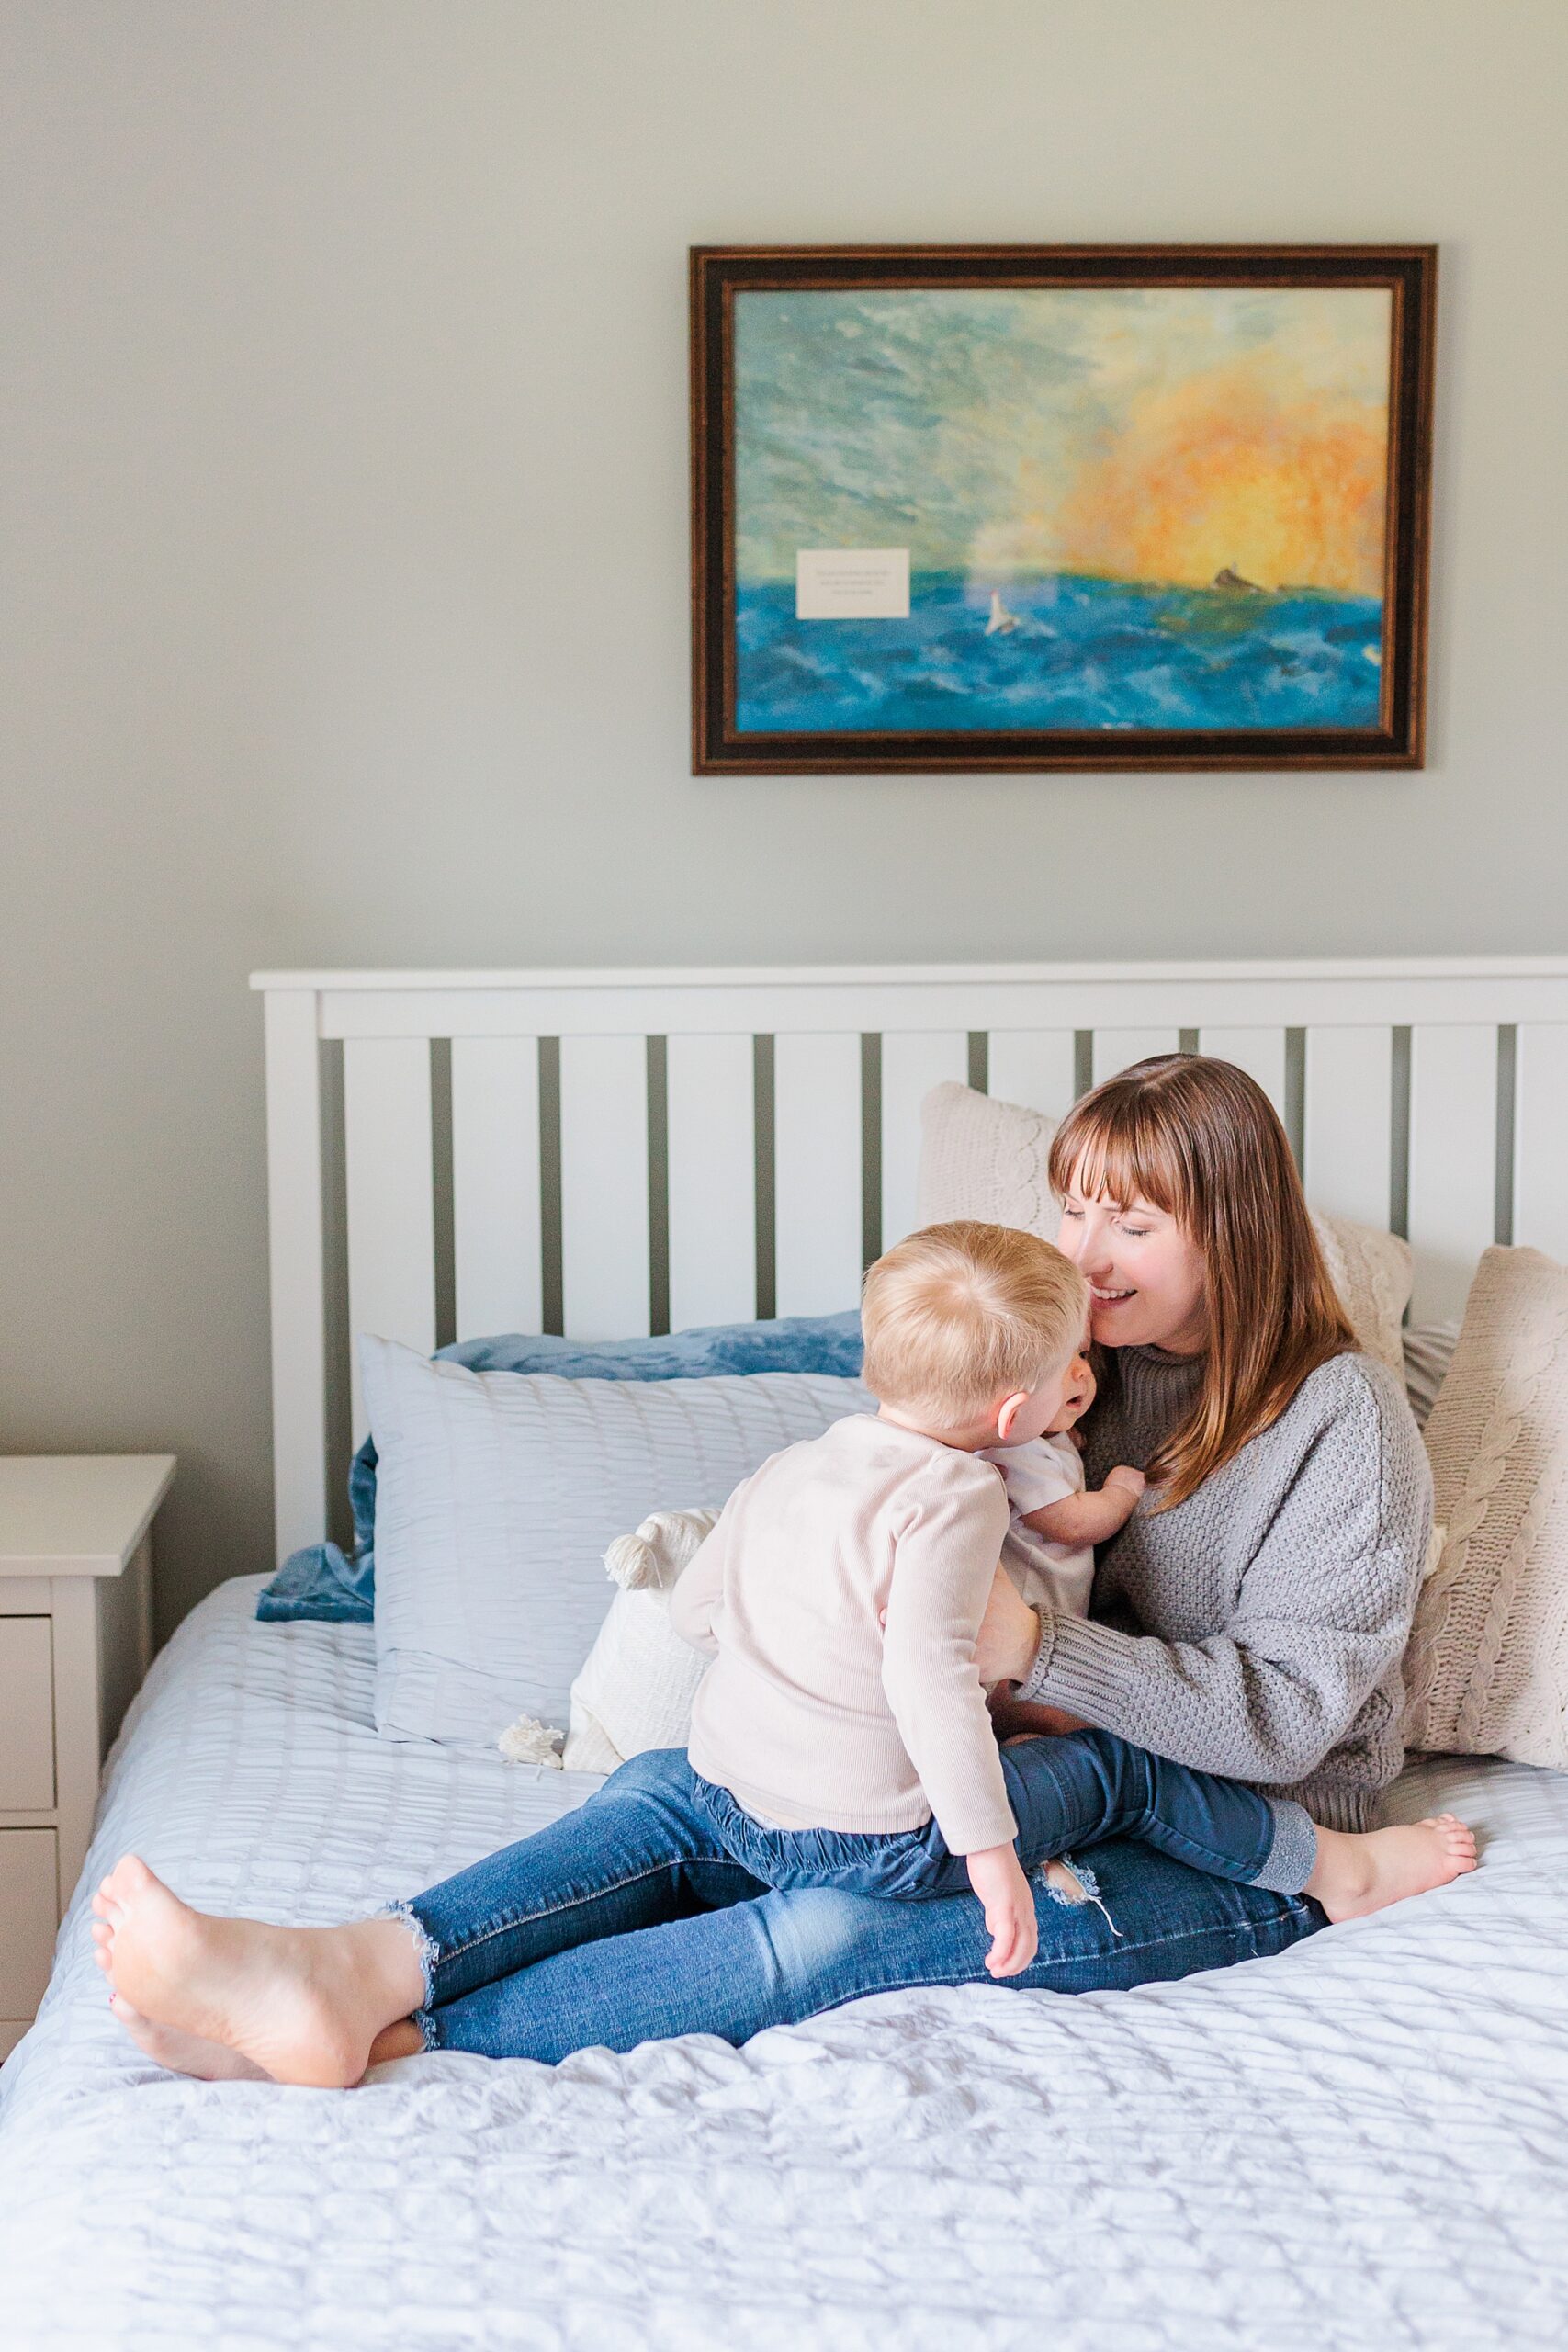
(342, 421)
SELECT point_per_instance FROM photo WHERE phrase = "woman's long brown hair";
(1199, 1139)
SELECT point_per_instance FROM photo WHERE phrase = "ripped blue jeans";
(660, 1907)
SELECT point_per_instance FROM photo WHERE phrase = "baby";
(1054, 1524)
(842, 1738)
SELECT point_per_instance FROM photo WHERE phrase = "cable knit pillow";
(984, 1158)
(1488, 1669)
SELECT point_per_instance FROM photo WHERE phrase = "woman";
(1248, 1620)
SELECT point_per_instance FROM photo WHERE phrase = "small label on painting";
(851, 585)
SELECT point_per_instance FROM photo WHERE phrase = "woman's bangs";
(1119, 1150)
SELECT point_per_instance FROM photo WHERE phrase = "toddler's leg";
(1090, 1786)
(1079, 1789)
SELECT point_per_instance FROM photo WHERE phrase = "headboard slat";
(912, 1063)
(816, 1173)
(496, 1239)
(603, 1187)
(298, 1268)
(1116, 1049)
(1541, 1137)
(391, 1212)
(1453, 1160)
(1034, 1066)
(1259, 1052)
(712, 1180)
(1348, 1128)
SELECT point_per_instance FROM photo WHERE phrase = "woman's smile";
(1165, 1306)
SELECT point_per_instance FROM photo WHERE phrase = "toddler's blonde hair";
(961, 1315)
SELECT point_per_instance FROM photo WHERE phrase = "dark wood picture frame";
(719, 747)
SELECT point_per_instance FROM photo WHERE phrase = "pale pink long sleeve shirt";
(812, 1715)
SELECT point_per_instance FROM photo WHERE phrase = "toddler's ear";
(1007, 1412)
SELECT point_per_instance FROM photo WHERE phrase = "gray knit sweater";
(1257, 1629)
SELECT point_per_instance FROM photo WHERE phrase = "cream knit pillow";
(638, 1680)
(1486, 1672)
(984, 1158)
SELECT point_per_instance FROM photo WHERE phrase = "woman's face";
(1145, 1276)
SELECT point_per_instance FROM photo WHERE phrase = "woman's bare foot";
(302, 2005)
(182, 2053)
(403, 2040)
(1357, 1874)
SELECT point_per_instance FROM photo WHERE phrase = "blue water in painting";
(1083, 653)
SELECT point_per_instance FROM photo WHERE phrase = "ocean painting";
(985, 511)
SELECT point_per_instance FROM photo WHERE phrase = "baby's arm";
(1091, 1518)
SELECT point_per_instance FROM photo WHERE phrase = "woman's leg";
(643, 1850)
(784, 1957)
(306, 2004)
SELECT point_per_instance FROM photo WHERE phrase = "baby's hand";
(998, 1878)
(1133, 1480)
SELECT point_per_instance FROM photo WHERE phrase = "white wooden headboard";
(608, 1153)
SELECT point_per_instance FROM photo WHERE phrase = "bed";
(1363, 2140)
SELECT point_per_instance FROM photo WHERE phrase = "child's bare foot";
(302, 2005)
(1357, 1874)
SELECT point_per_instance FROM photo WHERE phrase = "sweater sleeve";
(698, 1589)
(944, 1559)
(1322, 1615)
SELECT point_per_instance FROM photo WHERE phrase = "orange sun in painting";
(1227, 468)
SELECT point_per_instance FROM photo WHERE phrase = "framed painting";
(1060, 506)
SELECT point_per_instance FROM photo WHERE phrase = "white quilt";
(1363, 2142)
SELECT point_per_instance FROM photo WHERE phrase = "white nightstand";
(76, 1639)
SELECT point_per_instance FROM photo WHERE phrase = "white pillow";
(638, 1684)
(1486, 1673)
(985, 1158)
(496, 1496)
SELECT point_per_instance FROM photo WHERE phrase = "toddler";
(841, 1736)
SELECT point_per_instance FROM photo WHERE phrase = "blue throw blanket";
(325, 1583)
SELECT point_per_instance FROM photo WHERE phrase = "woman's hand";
(1008, 1639)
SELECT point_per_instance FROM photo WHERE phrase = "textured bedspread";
(1362, 2143)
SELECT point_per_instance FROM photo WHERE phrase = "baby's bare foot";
(182, 2054)
(1357, 1874)
(302, 2005)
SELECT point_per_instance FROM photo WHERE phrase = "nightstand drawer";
(27, 1716)
(27, 1922)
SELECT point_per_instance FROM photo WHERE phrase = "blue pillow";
(324, 1583)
